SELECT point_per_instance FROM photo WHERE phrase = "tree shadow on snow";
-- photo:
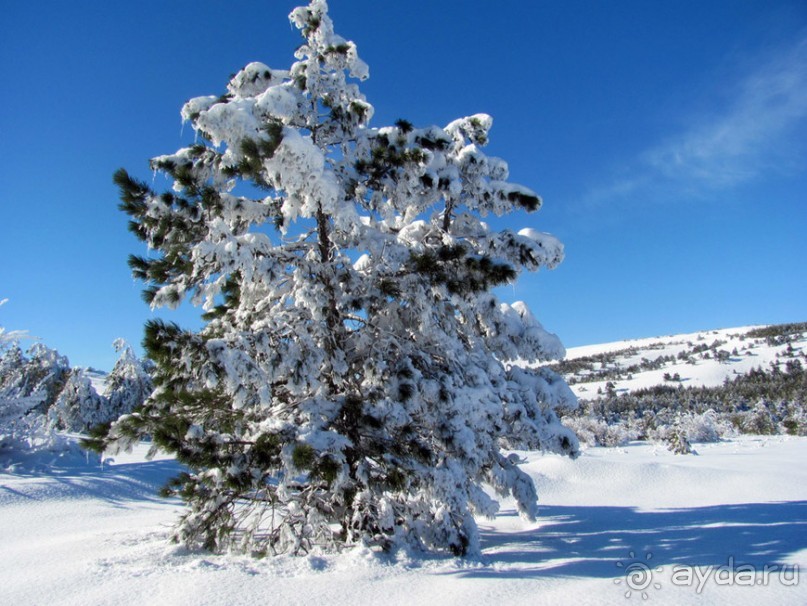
(119, 484)
(593, 541)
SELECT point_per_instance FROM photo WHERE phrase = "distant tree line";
(764, 401)
(778, 334)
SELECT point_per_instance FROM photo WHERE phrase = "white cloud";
(760, 131)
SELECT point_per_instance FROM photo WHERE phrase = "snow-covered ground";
(691, 529)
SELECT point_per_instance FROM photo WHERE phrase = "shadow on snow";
(591, 541)
(80, 478)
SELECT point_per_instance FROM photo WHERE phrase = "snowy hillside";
(99, 380)
(699, 387)
(706, 359)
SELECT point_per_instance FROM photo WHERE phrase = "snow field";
(82, 534)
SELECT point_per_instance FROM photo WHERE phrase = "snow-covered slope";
(99, 380)
(706, 358)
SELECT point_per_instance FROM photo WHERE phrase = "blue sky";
(667, 138)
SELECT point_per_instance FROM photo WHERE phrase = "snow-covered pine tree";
(354, 381)
(78, 407)
(129, 383)
(13, 405)
(29, 386)
(12, 361)
(44, 375)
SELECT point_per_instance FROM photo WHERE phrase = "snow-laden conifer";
(129, 383)
(78, 406)
(354, 381)
(29, 386)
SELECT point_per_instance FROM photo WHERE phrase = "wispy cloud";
(759, 131)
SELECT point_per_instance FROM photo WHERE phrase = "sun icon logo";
(638, 576)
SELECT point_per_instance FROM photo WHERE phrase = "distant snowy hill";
(683, 389)
(701, 359)
(99, 380)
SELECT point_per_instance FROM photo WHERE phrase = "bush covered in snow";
(593, 431)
